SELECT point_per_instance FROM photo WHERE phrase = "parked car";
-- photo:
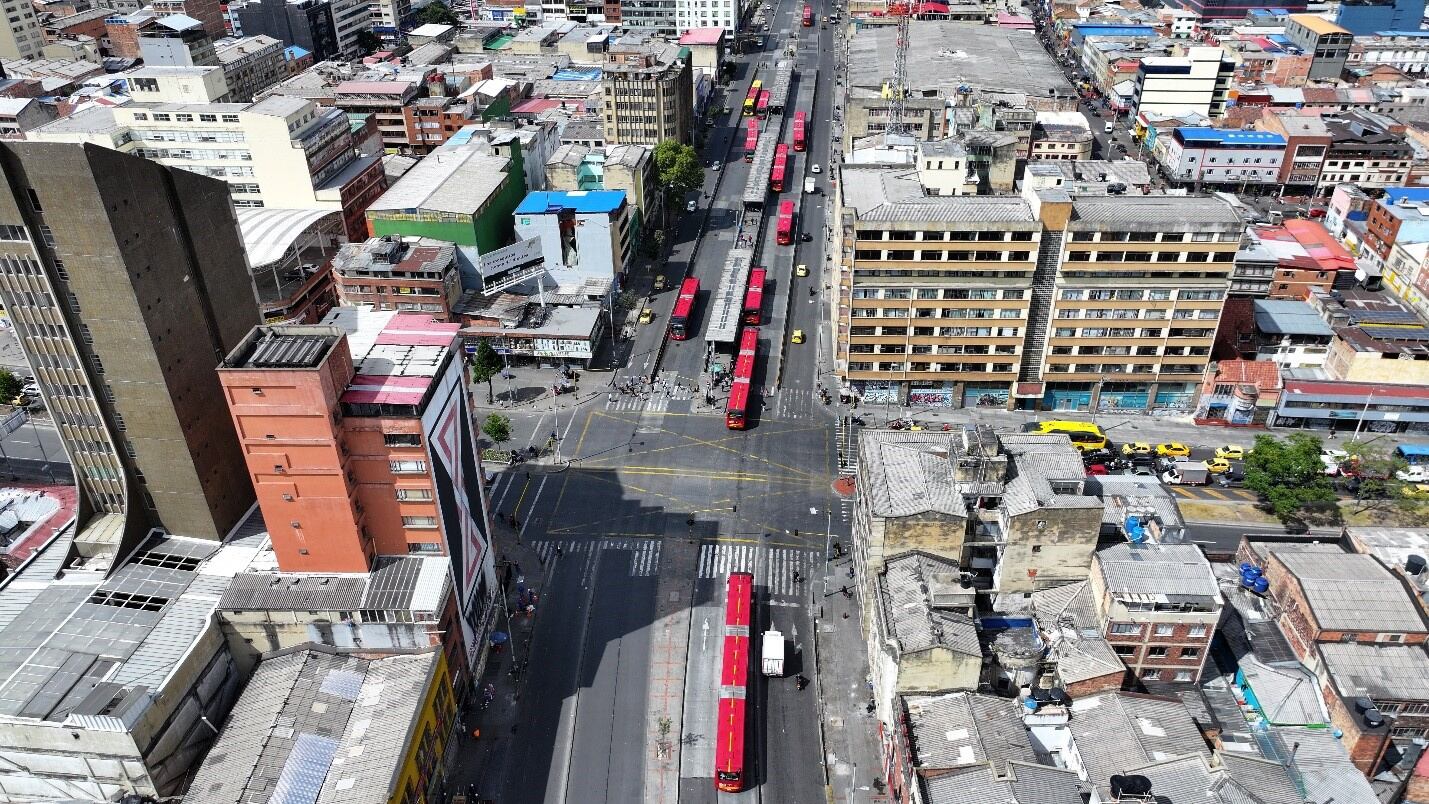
(647, 315)
(659, 283)
(1136, 448)
(1218, 466)
(1230, 480)
(1333, 459)
(1172, 449)
(691, 206)
(1097, 469)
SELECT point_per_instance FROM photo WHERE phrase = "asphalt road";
(34, 453)
(642, 480)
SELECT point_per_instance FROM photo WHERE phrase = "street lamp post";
(1363, 412)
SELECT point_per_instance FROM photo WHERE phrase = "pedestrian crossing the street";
(773, 567)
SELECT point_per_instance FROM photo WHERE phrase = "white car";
(30, 389)
(690, 207)
(816, 169)
(714, 166)
(1414, 474)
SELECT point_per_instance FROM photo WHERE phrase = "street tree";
(1373, 477)
(497, 428)
(437, 13)
(679, 168)
(10, 385)
(485, 365)
(367, 41)
(1289, 475)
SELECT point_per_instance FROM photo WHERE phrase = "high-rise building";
(646, 91)
(126, 284)
(1369, 17)
(309, 24)
(21, 37)
(1053, 300)
(361, 445)
(1198, 82)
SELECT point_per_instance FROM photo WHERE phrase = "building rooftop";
(1017, 783)
(580, 201)
(1382, 672)
(1230, 136)
(397, 356)
(963, 728)
(904, 473)
(1047, 472)
(702, 36)
(1203, 211)
(944, 56)
(1067, 617)
(431, 30)
(80, 648)
(416, 584)
(1114, 731)
(1289, 317)
(268, 232)
(1350, 591)
(1317, 24)
(1162, 573)
(908, 592)
(1287, 694)
(318, 726)
(394, 255)
(1194, 780)
(1126, 495)
(878, 193)
(457, 180)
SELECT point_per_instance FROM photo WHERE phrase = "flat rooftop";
(945, 55)
(396, 356)
(456, 180)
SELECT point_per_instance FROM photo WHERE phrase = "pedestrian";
(560, 551)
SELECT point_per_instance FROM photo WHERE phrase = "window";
(1125, 628)
(408, 495)
(407, 467)
(1150, 674)
(1155, 653)
(1196, 631)
(1164, 630)
(1190, 653)
(1183, 675)
(424, 548)
(1124, 650)
(401, 439)
(419, 522)
(1036, 548)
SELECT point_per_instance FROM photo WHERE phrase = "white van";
(1108, 128)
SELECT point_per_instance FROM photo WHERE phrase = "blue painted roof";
(1420, 34)
(579, 200)
(1417, 450)
(295, 52)
(1099, 29)
(1393, 194)
(1230, 135)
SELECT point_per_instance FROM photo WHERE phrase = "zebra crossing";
(644, 553)
(654, 403)
(773, 567)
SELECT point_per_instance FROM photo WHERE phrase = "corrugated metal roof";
(1117, 730)
(1157, 569)
(1351, 591)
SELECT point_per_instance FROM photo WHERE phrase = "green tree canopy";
(367, 41)
(485, 365)
(497, 428)
(679, 167)
(9, 385)
(1288, 474)
(437, 13)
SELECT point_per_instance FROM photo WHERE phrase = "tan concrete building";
(21, 37)
(922, 638)
(646, 94)
(617, 167)
(126, 284)
(1041, 301)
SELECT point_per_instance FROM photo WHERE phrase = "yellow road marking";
(713, 444)
(1215, 494)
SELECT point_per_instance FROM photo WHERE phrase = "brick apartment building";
(359, 442)
(1158, 605)
(408, 274)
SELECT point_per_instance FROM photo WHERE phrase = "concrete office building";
(1327, 43)
(1227, 157)
(126, 283)
(409, 274)
(1196, 83)
(646, 92)
(309, 24)
(22, 37)
(281, 152)
(1368, 17)
(1051, 300)
(585, 238)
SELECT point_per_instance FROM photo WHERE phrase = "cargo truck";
(1187, 473)
(773, 653)
(809, 188)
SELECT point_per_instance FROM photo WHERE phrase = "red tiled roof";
(1264, 374)
(702, 36)
(1354, 389)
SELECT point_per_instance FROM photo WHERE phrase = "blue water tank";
(1135, 533)
(1262, 585)
(1030, 703)
(1247, 568)
(1247, 582)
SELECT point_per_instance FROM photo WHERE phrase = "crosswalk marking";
(776, 573)
(644, 558)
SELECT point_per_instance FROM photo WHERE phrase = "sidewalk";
(477, 757)
(852, 756)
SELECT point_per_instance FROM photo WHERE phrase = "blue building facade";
(1367, 17)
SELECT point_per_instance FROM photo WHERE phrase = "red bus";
(808, 16)
(754, 298)
(733, 681)
(751, 139)
(785, 223)
(684, 309)
(737, 409)
(763, 106)
(799, 142)
(751, 98)
(780, 171)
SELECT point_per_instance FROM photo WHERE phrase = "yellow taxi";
(1172, 450)
(1418, 491)
(1136, 448)
(802, 270)
(647, 315)
(1232, 452)
(659, 283)
(1218, 466)
(798, 336)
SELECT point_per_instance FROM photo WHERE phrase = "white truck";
(809, 188)
(772, 653)
(1186, 473)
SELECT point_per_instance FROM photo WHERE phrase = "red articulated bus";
(751, 139)
(751, 98)
(737, 409)
(808, 16)
(754, 298)
(763, 106)
(733, 682)
(780, 171)
(799, 140)
(684, 309)
(786, 223)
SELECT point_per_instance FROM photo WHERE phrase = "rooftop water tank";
(1030, 703)
(1262, 585)
(1363, 704)
(1135, 532)
(1247, 568)
(1414, 565)
(1373, 719)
